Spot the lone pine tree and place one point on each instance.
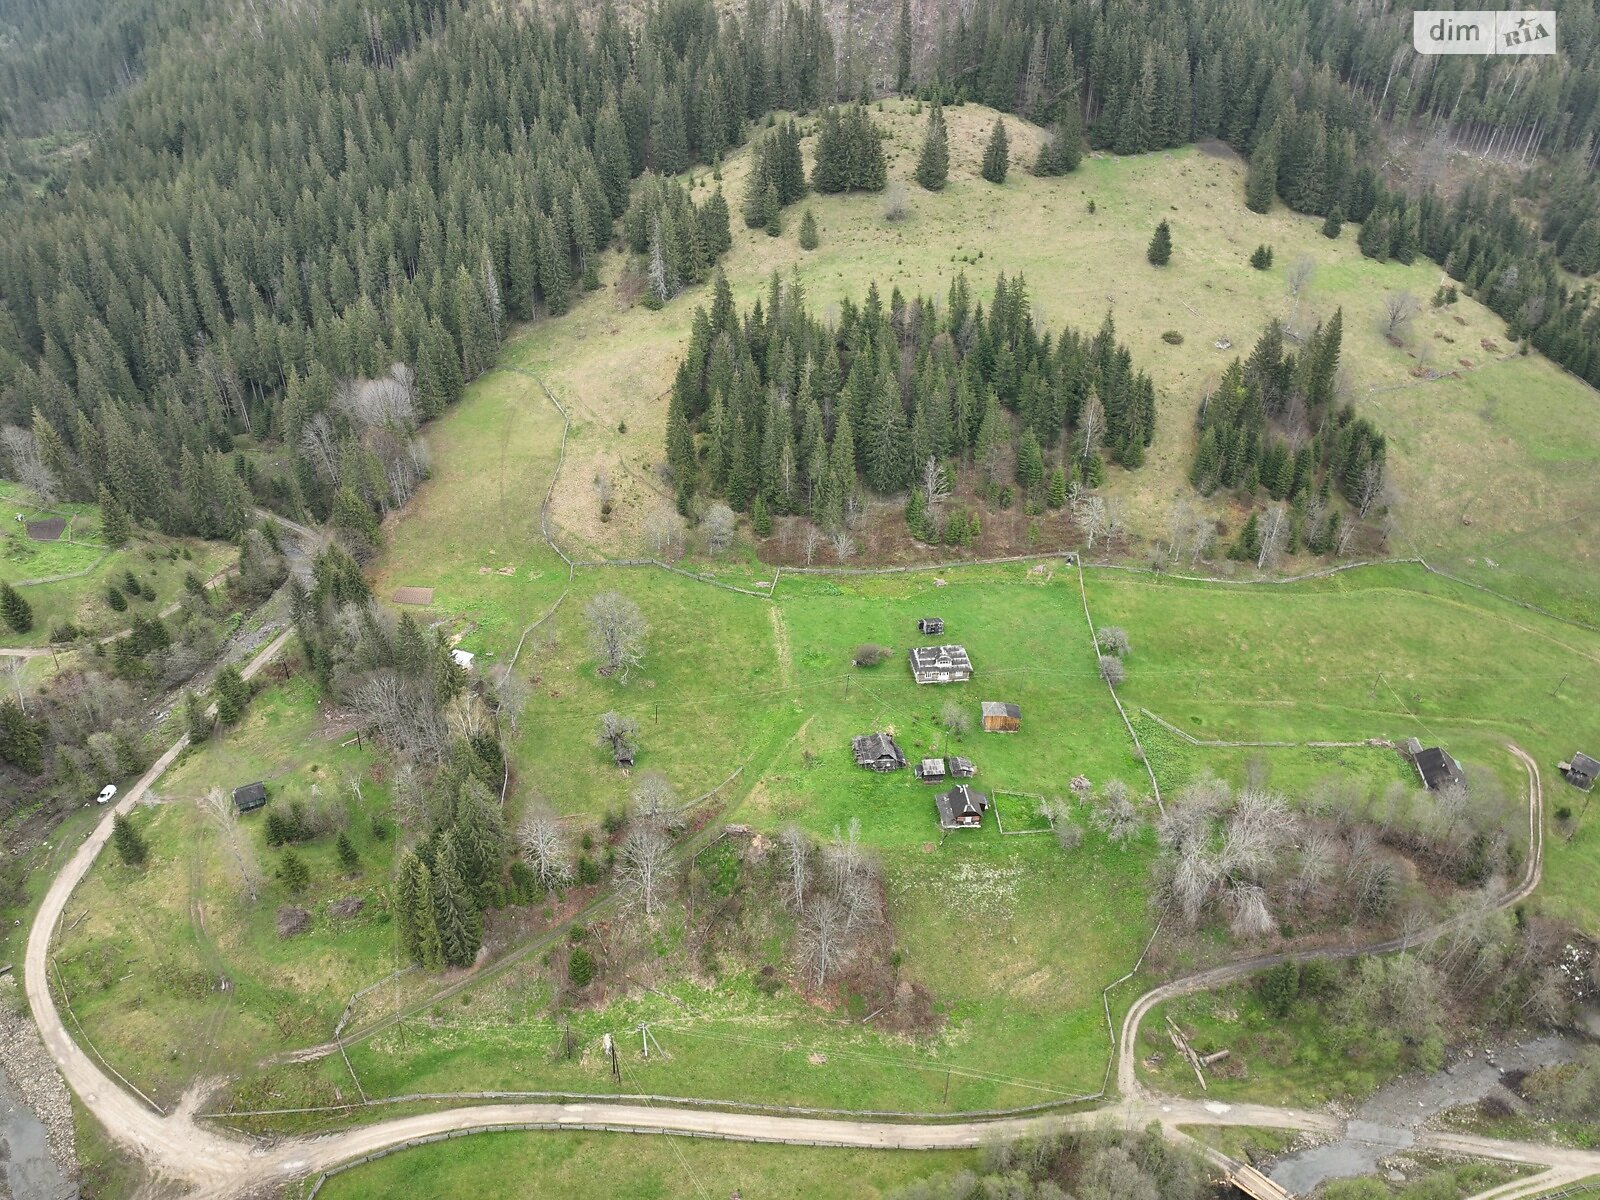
(1261, 260)
(1160, 251)
(933, 164)
(16, 610)
(131, 846)
(808, 231)
(997, 154)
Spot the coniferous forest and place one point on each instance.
(776, 410)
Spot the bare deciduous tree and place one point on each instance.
(643, 867)
(663, 532)
(619, 734)
(617, 631)
(935, 483)
(1113, 639)
(225, 816)
(822, 938)
(1251, 918)
(654, 802)
(957, 721)
(1297, 277)
(844, 546)
(1091, 425)
(1274, 533)
(27, 463)
(1398, 309)
(1117, 816)
(796, 850)
(719, 524)
(1112, 670)
(544, 843)
(810, 543)
(1089, 514)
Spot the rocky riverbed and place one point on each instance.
(1386, 1122)
(38, 1157)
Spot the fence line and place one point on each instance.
(67, 1000)
(1094, 640)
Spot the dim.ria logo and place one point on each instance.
(1484, 31)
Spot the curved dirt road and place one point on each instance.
(211, 1164)
(1128, 1083)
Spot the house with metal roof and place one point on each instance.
(877, 752)
(1581, 772)
(961, 807)
(940, 664)
(1438, 768)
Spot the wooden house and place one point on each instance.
(940, 664)
(962, 768)
(1581, 772)
(1001, 718)
(933, 626)
(250, 797)
(1437, 768)
(961, 807)
(877, 752)
(931, 770)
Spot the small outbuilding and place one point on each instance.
(623, 751)
(933, 626)
(961, 807)
(1438, 768)
(940, 664)
(250, 797)
(1001, 718)
(1581, 772)
(931, 770)
(962, 768)
(877, 752)
(462, 658)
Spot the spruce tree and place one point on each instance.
(1064, 151)
(414, 908)
(1030, 460)
(997, 154)
(1160, 251)
(131, 846)
(760, 518)
(1261, 260)
(196, 716)
(293, 873)
(933, 163)
(771, 212)
(1056, 497)
(21, 741)
(1333, 225)
(459, 922)
(1261, 182)
(808, 231)
(902, 50)
(115, 598)
(114, 528)
(18, 613)
(348, 858)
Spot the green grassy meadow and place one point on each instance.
(616, 1166)
(160, 561)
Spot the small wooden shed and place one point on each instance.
(931, 770)
(931, 625)
(962, 768)
(250, 797)
(1581, 772)
(1001, 718)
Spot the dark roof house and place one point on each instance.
(931, 770)
(961, 807)
(963, 768)
(940, 664)
(1581, 772)
(877, 752)
(250, 797)
(1437, 768)
(933, 625)
(1001, 718)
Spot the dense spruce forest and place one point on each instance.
(778, 413)
(260, 232)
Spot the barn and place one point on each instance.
(1581, 772)
(1438, 768)
(1001, 718)
(250, 797)
(940, 664)
(961, 807)
(877, 752)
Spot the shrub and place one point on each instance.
(1172, 337)
(870, 654)
(895, 205)
(1278, 986)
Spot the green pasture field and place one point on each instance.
(140, 952)
(154, 558)
(1491, 459)
(616, 1166)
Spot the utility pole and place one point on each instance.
(1557, 688)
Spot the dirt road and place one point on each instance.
(212, 1164)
